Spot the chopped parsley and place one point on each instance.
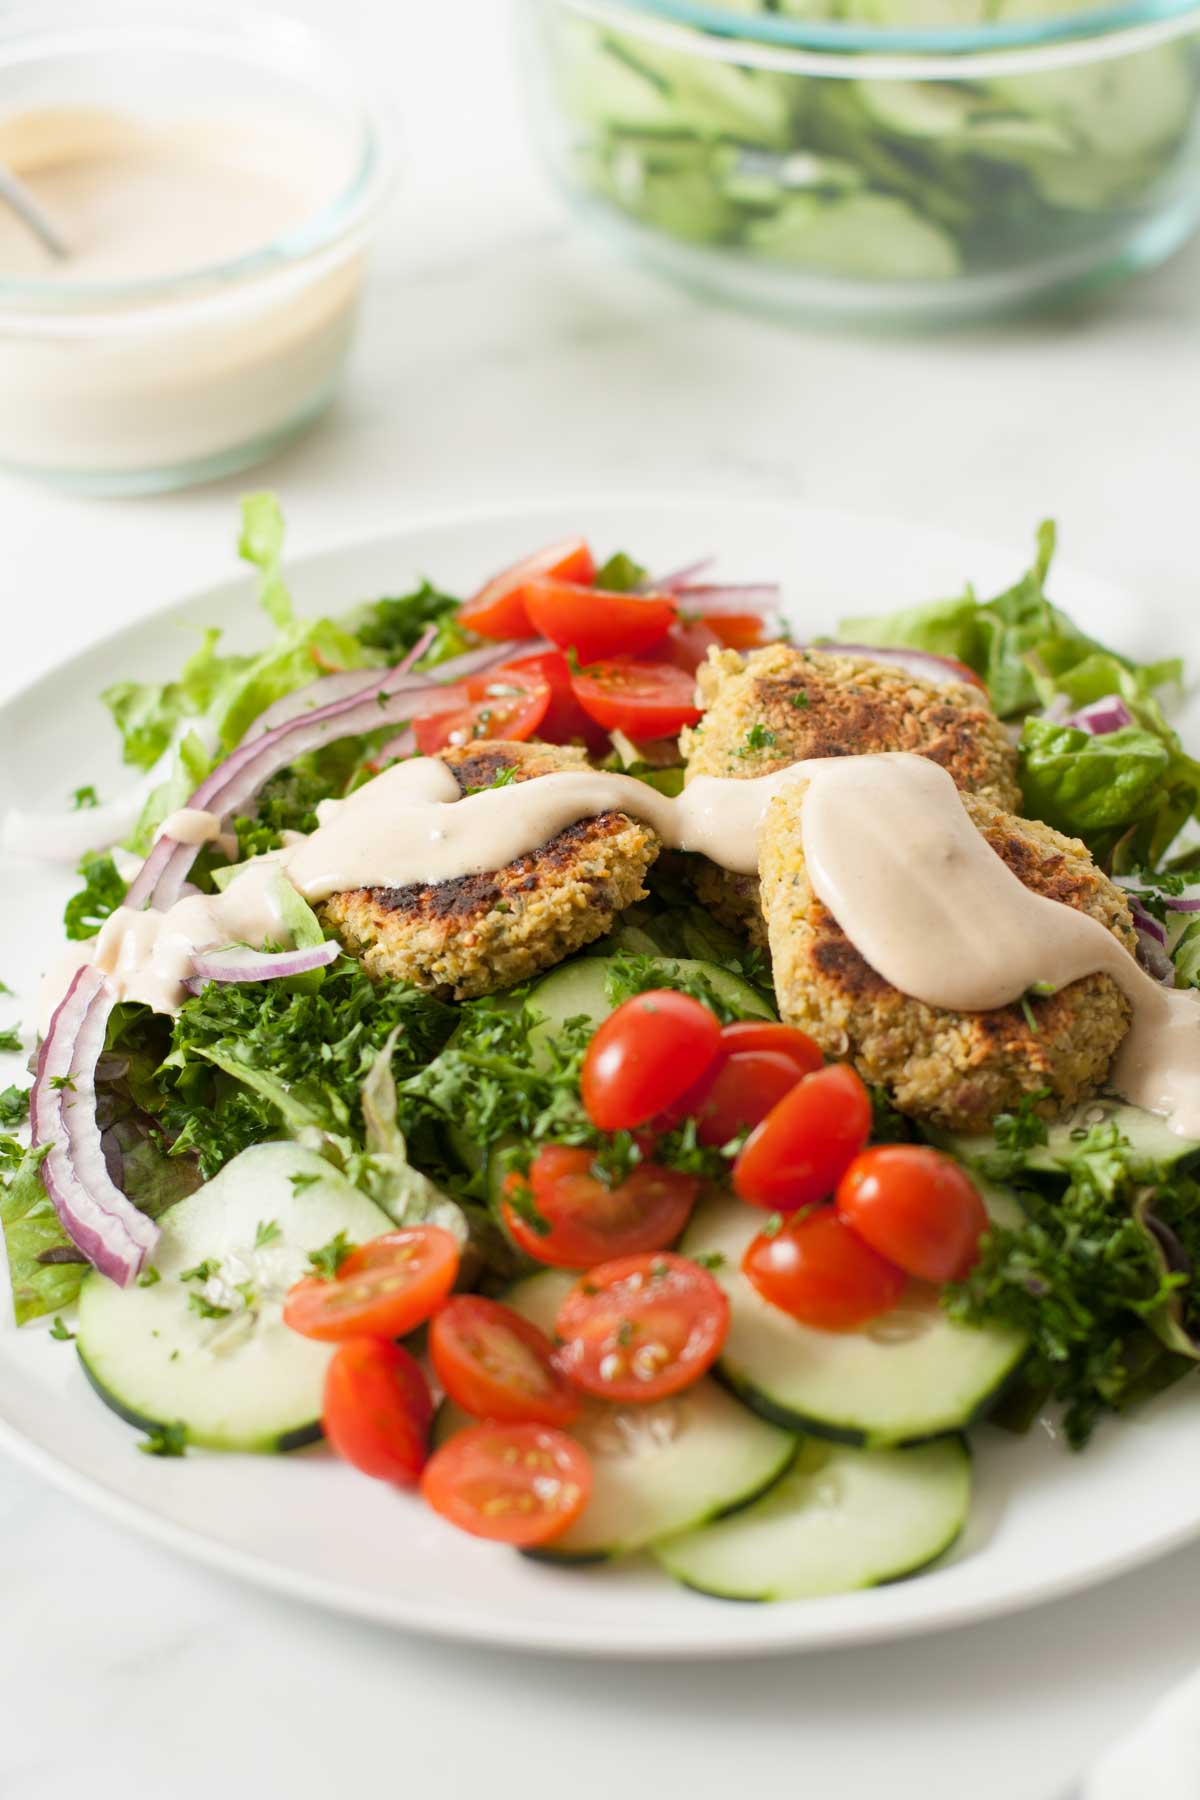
(149, 1276)
(59, 1332)
(1081, 1276)
(300, 1184)
(800, 699)
(84, 798)
(267, 1232)
(329, 1258)
(200, 1303)
(502, 778)
(10, 1039)
(759, 737)
(63, 1084)
(203, 1271)
(242, 1054)
(102, 892)
(710, 1259)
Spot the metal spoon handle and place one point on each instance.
(18, 196)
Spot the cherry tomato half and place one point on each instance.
(642, 1327)
(497, 1365)
(748, 1084)
(757, 1064)
(642, 699)
(916, 1207)
(564, 720)
(590, 1222)
(596, 623)
(738, 631)
(644, 1055)
(509, 702)
(784, 1040)
(378, 1409)
(799, 1153)
(498, 609)
(515, 1484)
(385, 1288)
(822, 1273)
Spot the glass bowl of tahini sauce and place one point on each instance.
(217, 179)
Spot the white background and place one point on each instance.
(503, 357)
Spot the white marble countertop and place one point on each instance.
(503, 357)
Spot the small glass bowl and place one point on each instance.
(917, 161)
(137, 386)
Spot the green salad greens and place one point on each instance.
(870, 180)
(434, 1110)
(1083, 1277)
(1127, 792)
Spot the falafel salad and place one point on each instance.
(634, 1080)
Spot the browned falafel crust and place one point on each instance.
(954, 1070)
(480, 933)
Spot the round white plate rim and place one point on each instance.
(778, 1628)
(487, 1631)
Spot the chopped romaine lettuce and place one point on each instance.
(1126, 793)
(35, 1241)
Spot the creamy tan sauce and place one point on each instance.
(136, 202)
(147, 956)
(101, 376)
(889, 848)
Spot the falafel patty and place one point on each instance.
(479, 933)
(957, 1070)
(778, 706)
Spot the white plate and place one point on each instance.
(1044, 1522)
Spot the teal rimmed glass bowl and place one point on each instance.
(875, 160)
(139, 380)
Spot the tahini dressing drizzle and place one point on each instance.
(889, 849)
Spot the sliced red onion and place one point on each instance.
(921, 663)
(1146, 922)
(239, 963)
(326, 688)
(1155, 960)
(1182, 903)
(233, 784)
(94, 1213)
(1102, 716)
(760, 597)
(669, 584)
(1151, 944)
(397, 748)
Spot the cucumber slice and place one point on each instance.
(713, 99)
(241, 1380)
(658, 1469)
(910, 1375)
(579, 989)
(1124, 106)
(1149, 1136)
(960, 118)
(840, 1519)
(873, 236)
